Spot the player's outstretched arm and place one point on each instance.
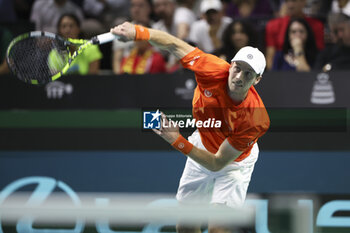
(128, 31)
(213, 162)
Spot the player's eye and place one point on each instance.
(237, 69)
(248, 74)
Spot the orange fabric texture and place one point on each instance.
(181, 144)
(142, 33)
(242, 124)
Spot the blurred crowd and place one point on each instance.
(295, 35)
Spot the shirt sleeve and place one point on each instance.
(205, 66)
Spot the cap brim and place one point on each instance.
(247, 63)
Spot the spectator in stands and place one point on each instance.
(46, 13)
(107, 12)
(207, 32)
(237, 35)
(249, 8)
(143, 59)
(336, 56)
(164, 10)
(299, 49)
(184, 18)
(333, 20)
(325, 7)
(140, 11)
(276, 29)
(5, 39)
(175, 21)
(88, 62)
(341, 6)
(172, 19)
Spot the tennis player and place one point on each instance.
(220, 161)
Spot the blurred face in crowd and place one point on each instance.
(69, 28)
(343, 33)
(333, 31)
(342, 3)
(164, 8)
(297, 30)
(140, 11)
(213, 16)
(239, 38)
(295, 7)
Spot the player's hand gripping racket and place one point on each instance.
(41, 57)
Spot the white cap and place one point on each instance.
(253, 57)
(210, 4)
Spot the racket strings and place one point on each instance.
(37, 58)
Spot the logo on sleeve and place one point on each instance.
(193, 60)
(181, 145)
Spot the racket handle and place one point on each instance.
(104, 38)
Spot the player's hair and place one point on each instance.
(310, 48)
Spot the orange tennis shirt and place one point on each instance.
(241, 124)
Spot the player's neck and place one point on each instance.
(237, 98)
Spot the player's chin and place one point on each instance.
(234, 87)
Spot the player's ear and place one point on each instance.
(257, 80)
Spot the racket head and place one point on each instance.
(38, 57)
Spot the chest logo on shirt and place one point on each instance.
(207, 93)
(193, 60)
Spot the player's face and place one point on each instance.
(241, 77)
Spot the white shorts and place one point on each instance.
(228, 186)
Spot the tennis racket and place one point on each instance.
(41, 57)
